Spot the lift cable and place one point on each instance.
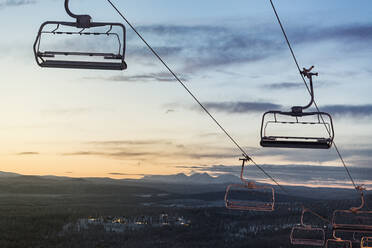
(317, 215)
(196, 99)
(308, 89)
(206, 110)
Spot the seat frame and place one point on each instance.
(83, 22)
(293, 141)
(303, 227)
(354, 211)
(246, 184)
(45, 59)
(366, 242)
(297, 112)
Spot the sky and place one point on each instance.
(86, 123)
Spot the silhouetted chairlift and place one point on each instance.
(338, 243)
(354, 219)
(306, 234)
(286, 141)
(83, 24)
(366, 242)
(247, 196)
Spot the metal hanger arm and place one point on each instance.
(82, 21)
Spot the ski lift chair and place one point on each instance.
(92, 60)
(338, 243)
(306, 234)
(249, 196)
(286, 141)
(366, 242)
(354, 219)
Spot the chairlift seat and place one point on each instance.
(52, 54)
(253, 201)
(338, 243)
(307, 235)
(286, 142)
(83, 65)
(296, 141)
(349, 221)
(107, 61)
(249, 204)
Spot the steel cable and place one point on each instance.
(195, 98)
(308, 89)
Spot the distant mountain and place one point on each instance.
(180, 183)
(8, 174)
(196, 178)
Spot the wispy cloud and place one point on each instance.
(241, 107)
(123, 153)
(27, 153)
(168, 111)
(10, 3)
(202, 46)
(295, 174)
(83, 153)
(349, 110)
(124, 174)
(129, 142)
(158, 151)
(283, 86)
(160, 77)
(152, 154)
(351, 155)
(355, 32)
(151, 150)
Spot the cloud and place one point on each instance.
(124, 174)
(170, 111)
(83, 153)
(260, 107)
(205, 135)
(283, 86)
(353, 156)
(27, 153)
(349, 110)
(151, 150)
(129, 142)
(129, 153)
(354, 32)
(241, 107)
(297, 174)
(12, 3)
(198, 48)
(203, 46)
(160, 77)
(123, 153)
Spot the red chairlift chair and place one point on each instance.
(338, 243)
(366, 242)
(354, 219)
(306, 234)
(249, 195)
